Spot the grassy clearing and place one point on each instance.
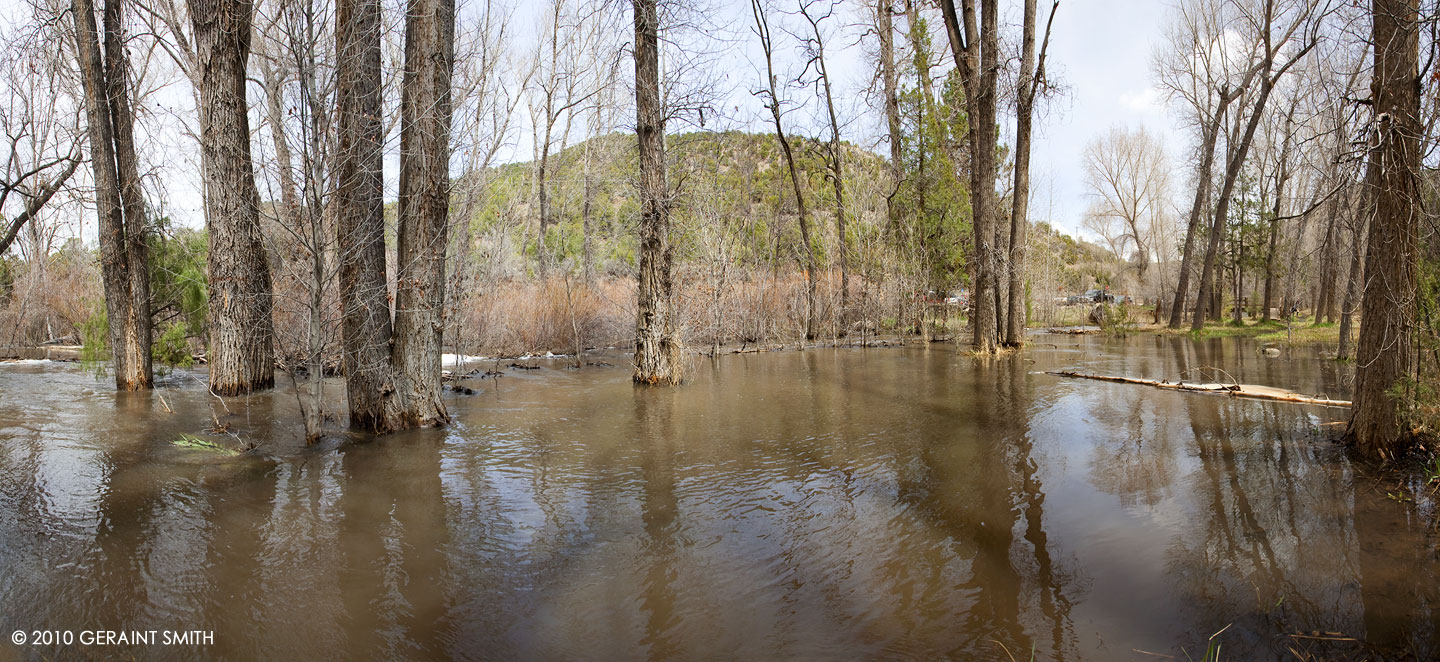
(1301, 331)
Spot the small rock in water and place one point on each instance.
(1271, 351)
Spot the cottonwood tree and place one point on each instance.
(393, 373)
(40, 149)
(1285, 34)
(975, 49)
(1128, 175)
(833, 152)
(1383, 355)
(884, 13)
(119, 200)
(770, 97)
(563, 80)
(657, 348)
(241, 349)
(1203, 71)
(1032, 81)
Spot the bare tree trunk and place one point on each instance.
(812, 266)
(1352, 283)
(1388, 310)
(1031, 77)
(657, 350)
(885, 25)
(1325, 302)
(976, 55)
(241, 353)
(359, 220)
(1235, 161)
(424, 210)
(120, 208)
(837, 173)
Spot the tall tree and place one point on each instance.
(119, 203)
(1271, 46)
(770, 96)
(358, 208)
(890, 88)
(241, 353)
(392, 373)
(834, 157)
(976, 54)
(1387, 315)
(657, 349)
(1032, 79)
(1200, 71)
(424, 209)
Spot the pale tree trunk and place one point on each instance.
(123, 263)
(812, 266)
(424, 210)
(657, 350)
(1032, 76)
(357, 201)
(1388, 310)
(975, 55)
(1345, 349)
(837, 173)
(241, 354)
(885, 26)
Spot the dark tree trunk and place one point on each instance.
(424, 210)
(1031, 76)
(123, 260)
(885, 25)
(657, 350)
(241, 354)
(975, 54)
(1388, 310)
(1329, 250)
(837, 178)
(359, 220)
(1235, 161)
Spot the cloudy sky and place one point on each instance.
(1101, 53)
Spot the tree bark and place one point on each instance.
(359, 220)
(123, 263)
(241, 353)
(885, 26)
(1388, 311)
(1031, 76)
(657, 350)
(424, 210)
(976, 55)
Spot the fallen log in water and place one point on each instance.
(1236, 390)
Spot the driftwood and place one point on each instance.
(1073, 330)
(1234, 390)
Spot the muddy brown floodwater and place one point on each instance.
(828, 504)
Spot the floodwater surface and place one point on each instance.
(829, 504)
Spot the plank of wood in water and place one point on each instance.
(1235, 390)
